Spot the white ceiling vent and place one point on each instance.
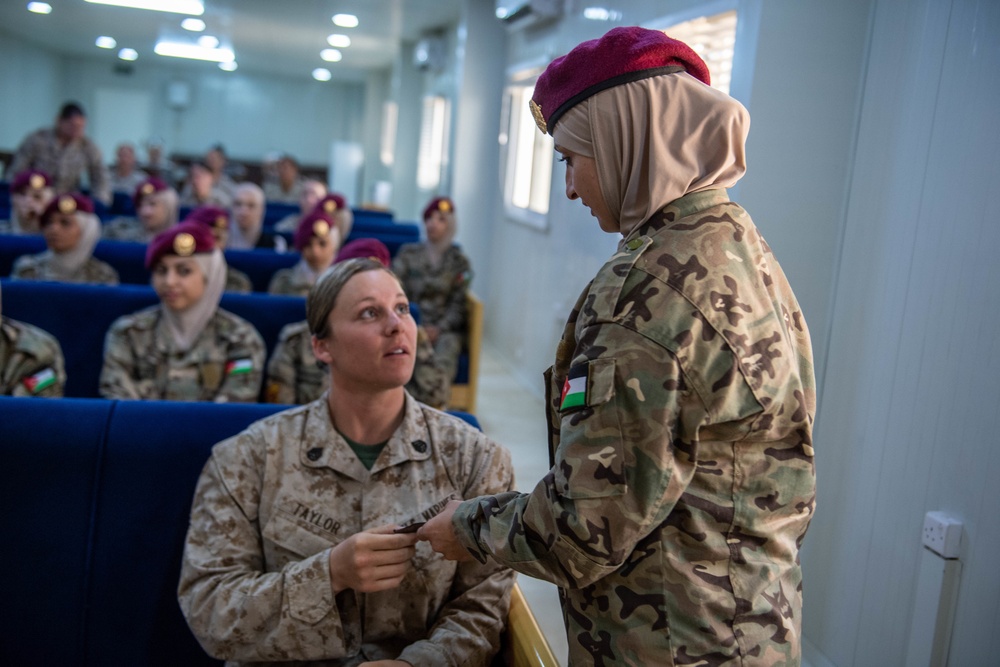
(519, 14)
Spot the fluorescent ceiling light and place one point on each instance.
(228, 67)
(40, 7)
(331, 55)
(128, 54)
(208, 41)
(601, 14)
(340, 41)
(106, 42)
(345, 20)
(193, 7)
(194, 25)
(193, 51)
(322, 74)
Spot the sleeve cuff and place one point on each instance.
(308, 589)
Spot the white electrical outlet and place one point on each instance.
(942, 534)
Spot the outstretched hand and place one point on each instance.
(441, 535)
(374, 560)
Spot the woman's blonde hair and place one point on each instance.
(323, 295)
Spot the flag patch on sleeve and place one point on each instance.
(40, 380)
(574, 392)
(239, 366)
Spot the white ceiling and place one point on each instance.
(269, 36)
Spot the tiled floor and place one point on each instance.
(513, 415)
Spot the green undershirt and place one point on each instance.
(367, 454)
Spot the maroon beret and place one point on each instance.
(317, 223)
(71, 202)
(622, 55)
(371, 248)
(331, 203)
(182, 240)
(148, 187)
(443, 204)
(32, 178)
(212, 217)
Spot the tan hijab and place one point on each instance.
(65, 265)
(185, 326)
(656, 140)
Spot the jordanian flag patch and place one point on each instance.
(239, 366)
(574, 393)
(40, 380)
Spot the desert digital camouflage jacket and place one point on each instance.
(225, 362)
(31, 361)
(293, 375)
(681, 407)
(39, 267)
(273, 501)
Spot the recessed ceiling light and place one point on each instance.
(228, 67)
(331, 55)
(192, 7)
(128, 54)
(322, 74)
(40, 7)
(208, 41)
(194, 25)
(340, 41)
(345, 20)
(106, 42)
(193, 51)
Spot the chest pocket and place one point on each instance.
(290, 540)
(589, 459)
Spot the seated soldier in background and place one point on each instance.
(156, 211)
(215, 160)
(312, 191)
(287, 187)
(246, 228)
(318, 239)
(201, 190)
(335, 205)
(31, 361)
(294, 375)
(216, 220)
(185, 348)
(293, 551)
(125, 174)
(30, 192)
(71, 231)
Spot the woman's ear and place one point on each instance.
(321, 349)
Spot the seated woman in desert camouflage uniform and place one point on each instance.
(156, 210)
(71, 231)
(185, 348)
(299, 546)
(294, 375)
(31, 361)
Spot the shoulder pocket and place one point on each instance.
(589, 461)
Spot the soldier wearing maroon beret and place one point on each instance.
(71, 231)
(682, 397)
(318, 238)
(30, 192)
(436, 275)
(216, 220)
(156, 209)
(185, 348)
(335, 206)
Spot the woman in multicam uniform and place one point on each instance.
(300, 546)
(71, 231)
(682, 398)
(156, 210)
(30, 193)
(216, 221)
(186, 348)
(294, 375)
(31, 360)
(318, 239)
(436, 275)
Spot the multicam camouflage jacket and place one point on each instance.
(293, 281)
(237, 281)
(438, 291)
(225, 362)
(31, 361)
(294, 375)
(681, 407)
(38, 267)
(125, 229)
(273, 501)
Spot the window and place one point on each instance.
(528, 170)
(433, 142)
(713, 38)
(390, 115)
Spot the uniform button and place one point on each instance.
(314, 454)
(420, 446)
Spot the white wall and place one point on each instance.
(29, 90)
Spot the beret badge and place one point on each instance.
(67, 204)
(184, 244)
(444, 206)
(536, 112)
(321, 228)
(148, 189)
(220, 222)
(37, 181)
(330, 206)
